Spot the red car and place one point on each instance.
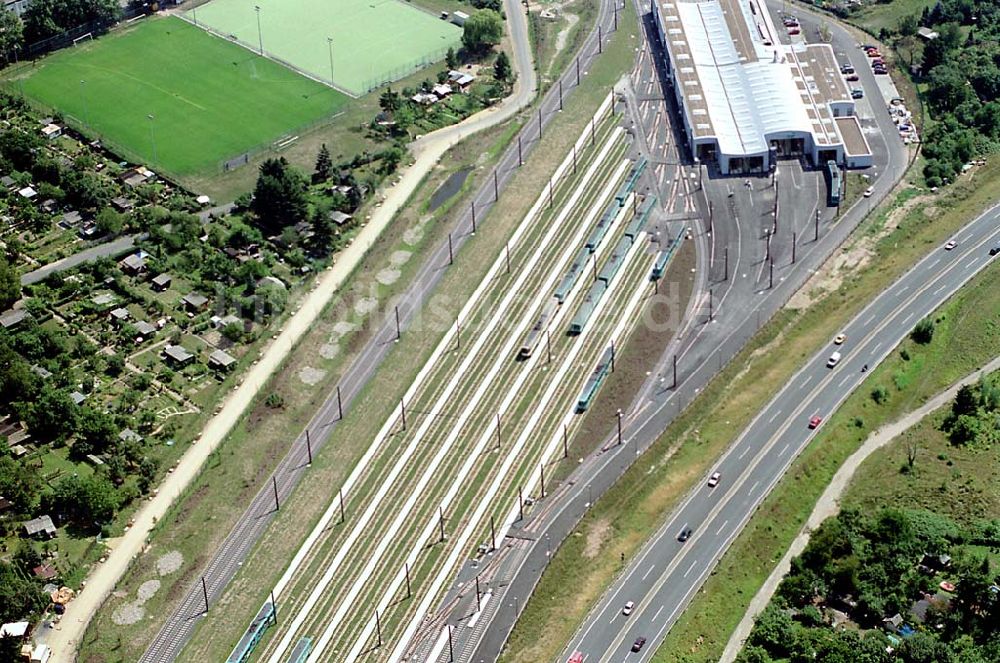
(814, 421)
(852, 77)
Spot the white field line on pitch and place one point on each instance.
(443, 346)
(473, 523)
(387, 484)
(501, 361)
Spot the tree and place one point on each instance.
(451, 58)
(87, 502)
(501, 68)
(20, 598)
(322, 228)
(52, 416)
(45, 18)
(110, 222)
(96, 432)
(324, 165)
(482, 31)
(19, 484)
(279, 199)
(11, 33)
(923, 332)
(10, 284)
(774, 631)
(390, 101)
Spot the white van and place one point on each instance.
(833, 360)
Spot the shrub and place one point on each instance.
(923, 333)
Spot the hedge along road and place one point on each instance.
(427, 151)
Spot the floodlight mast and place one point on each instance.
(260, 37)
(329, 43)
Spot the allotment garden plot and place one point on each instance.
(370, 42)
(169, 94)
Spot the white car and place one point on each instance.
(869, 191)
(713, 480)
(627, 610)
(950, 245)
(833, 360)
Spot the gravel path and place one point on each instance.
(829, 502)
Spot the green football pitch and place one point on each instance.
(172, 95)
(371, 41)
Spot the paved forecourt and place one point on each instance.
(373, 41)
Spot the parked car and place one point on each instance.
(857, 93)
(869, 191)
(851, 77)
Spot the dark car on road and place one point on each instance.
(639, 642)
(995, 250)
(684, 535)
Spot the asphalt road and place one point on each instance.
(667, 572)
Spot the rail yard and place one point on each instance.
(466, 451)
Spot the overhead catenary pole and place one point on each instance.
(600, 39)
(493, 533)
(710, 298)
(441, 521)
(309, 447)
(451, 648)
(507, 247)
(793, 247)
(619, 413)
(725, 255)
(539, 123)
(496, 186)
(274, 485)
(578, 70)
(560, 95)
(473, 208)
(520, 155)
(204, 593)
(451, 254)
(816, 237)
(612, 355)
(498, 431)
(340, 405)
(675, 371)
(274, 609)
(406, 570)
(565, 442)
(378, 629)
(770, 278)
(152, 136)
(402, 412)
(343, 516)
(478, 606)
(520, 503)
(541, 475)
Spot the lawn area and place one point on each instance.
(372, 42)
(961, 482)
(877, 15)
(170, 94)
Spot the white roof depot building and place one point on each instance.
(745, 98)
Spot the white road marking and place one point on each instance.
(721, 527)
(807, 380)
(939, 289)
(910, 316)
(657, 614)
(877, 346)
(972, 263)
(784, 449)
(774, 416)
(844, 381)
(870, 320)
(648, 572)
(754, 486)
(745, 452)
(690, 568)
(935, 263)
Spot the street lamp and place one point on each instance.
(260, 38)
(152, 137)
(329, 43)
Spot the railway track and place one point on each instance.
(317, 553)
